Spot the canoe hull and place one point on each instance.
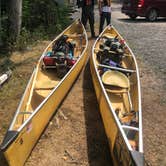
(120, 153)
(19, 150)
(114, 136)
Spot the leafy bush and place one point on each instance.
(23, 40)
(41, 19)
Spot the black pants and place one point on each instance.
(104, 16)
(88, 14)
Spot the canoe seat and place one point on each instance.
(116, 79)
(46, 84)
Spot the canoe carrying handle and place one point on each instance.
(117, 68)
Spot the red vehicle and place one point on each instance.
(151, 9)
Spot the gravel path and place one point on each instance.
(147, 41)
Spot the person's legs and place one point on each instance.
(102, 19)
(108, 18)
(84, 17)
(91, 21)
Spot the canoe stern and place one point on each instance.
(121, 150)
(9, 138)
(138, 158)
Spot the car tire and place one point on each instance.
(133, 16)
(152, 15)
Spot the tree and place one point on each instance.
(15, 19)
(0, 25)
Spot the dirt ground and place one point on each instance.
(75, 135)
(147, 41)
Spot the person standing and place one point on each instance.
(105, 13)
(87, 14)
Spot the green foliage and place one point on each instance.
(41, 19)
(23, 39)
(5, 64)
(46, 13)
(3, 27)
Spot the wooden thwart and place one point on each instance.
(75, 35)
(130, 127)
(112, 52)
(42, 88)
(26, 112)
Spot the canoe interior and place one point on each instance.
(45, 80)
(124, 101)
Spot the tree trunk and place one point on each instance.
(15, 18)
(0, 26)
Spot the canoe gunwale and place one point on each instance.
(19, 106)
(45, 100)
(56, 87)
(107, 98)
(139, 100)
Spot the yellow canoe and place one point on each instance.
(117, 85)
(44, 92)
